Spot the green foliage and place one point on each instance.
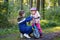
(4, 15)
(10, 30)
(8, 12)
(53, 14)
(27, 10)
(46, 24)
(57, 38)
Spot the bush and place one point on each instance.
(53, 14)
(4, 23)
(10, 30)
(46, 24)
(52, 24)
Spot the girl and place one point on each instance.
(24, 29)
(36, 19)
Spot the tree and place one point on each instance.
(31, 3)
(4, 15)
(38, 5)
(21, 4)
(43, 6)
(59, 2)
(54, 2)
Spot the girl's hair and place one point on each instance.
(21, 12)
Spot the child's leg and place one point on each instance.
(21, 35)
(40, 29)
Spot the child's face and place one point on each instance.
(23, 15)
(33, 12)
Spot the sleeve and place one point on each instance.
(29, 18)
(22, 21)
(26, 19)
(38, 14)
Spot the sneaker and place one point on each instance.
(41, 36)
(27, 36)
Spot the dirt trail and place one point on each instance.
(49, 36)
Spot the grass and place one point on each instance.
(51, 29)
(9, 31)
(16, 37)
(57, 38)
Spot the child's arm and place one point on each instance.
(26, 19)
(38, 15)
(29, 18)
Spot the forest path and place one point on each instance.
(48, 36)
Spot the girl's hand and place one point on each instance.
(33, 18)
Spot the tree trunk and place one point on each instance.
(38, 5)
(5, 0)
(58, 2)
(54, 3)
(21, 4)
(31, 3)
(43, 6)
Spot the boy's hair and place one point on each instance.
(21, 12)
(20, 15)
(18, 19)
